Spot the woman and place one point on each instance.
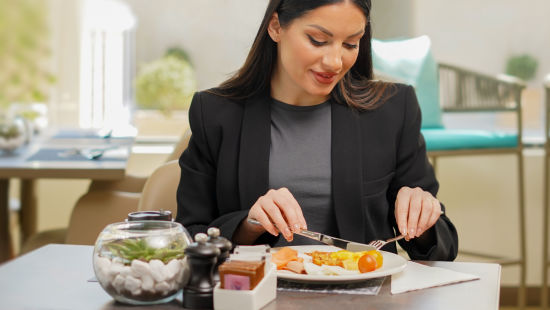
(302, 137)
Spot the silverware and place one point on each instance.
(93, 154)
(378, 244)
(105, 134)
(89, 153)
(337, 242)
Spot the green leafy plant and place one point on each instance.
(167, 83)
(24, 52)
(179, 53)
(522, 66)
(9, 131)
(130, 249)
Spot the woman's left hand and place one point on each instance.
(415, 211)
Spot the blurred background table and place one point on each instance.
(53, 155)
(57, 277)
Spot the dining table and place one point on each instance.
(66, 153)
(61, 277)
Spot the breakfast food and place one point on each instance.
(364, 261)
(327, 263)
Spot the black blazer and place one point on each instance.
(374, 153)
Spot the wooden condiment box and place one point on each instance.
(241, 275)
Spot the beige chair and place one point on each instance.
(160, 189)
(97, 209)
(111, 201)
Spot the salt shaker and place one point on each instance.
(221, 243)
(201, 257)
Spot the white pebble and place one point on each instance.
(172, 269)
(174, 285)
(132, 284)
(115, 269)
(140, 269)
(136, 291)
(148, 284)
(118, 283)
(157, 270)
(102, 262)
(103, 265)
(162, 287)
(126, 271)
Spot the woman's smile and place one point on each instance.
(324, 77)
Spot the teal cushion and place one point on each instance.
(456, 139)
(411, 61)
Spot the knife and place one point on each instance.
(328, 240)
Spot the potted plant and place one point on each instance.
(522, 66)
(13, 134)
(166, 84)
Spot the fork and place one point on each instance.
(378, 244)
(88, 153)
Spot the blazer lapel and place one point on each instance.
(254, 150)
(346, 173)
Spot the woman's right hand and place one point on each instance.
(278, 211)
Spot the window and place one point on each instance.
(107, 64)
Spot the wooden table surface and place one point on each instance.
(56, 277)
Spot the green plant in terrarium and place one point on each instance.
(522, 66)
(24, 52)
(10, 131)
(130, 249)
(166, 84)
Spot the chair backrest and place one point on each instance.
(159, 191)
(95, 210)
(411, 61)
(180, 146)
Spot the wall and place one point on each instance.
(392, 19)
(216, 33)
(481, 35)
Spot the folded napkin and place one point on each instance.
(417, 276)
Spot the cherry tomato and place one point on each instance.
(366, 263)
(378, 257)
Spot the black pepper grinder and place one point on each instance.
(221, 243)
(201, 257)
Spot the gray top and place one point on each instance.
(300, 160)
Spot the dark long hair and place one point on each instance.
(357, 88)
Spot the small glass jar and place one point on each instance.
(142, 262)
(12, 134)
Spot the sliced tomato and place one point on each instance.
(378, 257)
(366, 263)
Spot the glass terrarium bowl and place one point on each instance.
(12, 134)
(142, 262)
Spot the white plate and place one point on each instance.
(392, 264)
